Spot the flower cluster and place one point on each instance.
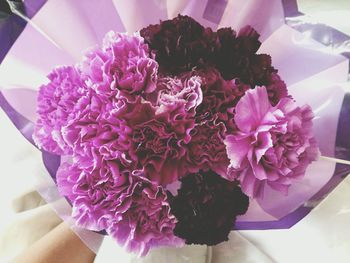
(182, 44)
(95, 113)
(174, 103)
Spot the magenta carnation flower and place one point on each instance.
(272, 145)
(94, 189)
(56, 102)
(122, 67)
(117, 75)
(143, 219)
(94, 126)
(111, 197)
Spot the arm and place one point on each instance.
(58, 246)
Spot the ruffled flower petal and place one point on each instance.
(251, 109)
(272, 144)
(56, 104)
(237, 150)
(132, 209)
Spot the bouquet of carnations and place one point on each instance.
(175, 102)
(167, 135)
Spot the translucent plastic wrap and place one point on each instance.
(310, 57)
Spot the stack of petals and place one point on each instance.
(173, 104)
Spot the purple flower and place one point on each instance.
(219, 98)
(56, 103)
(206, 208)
(143, 219)
(111, 197)
(117, 75)
(179, 92)
(272, 145)
(122, 67)
(206, 150)
(276, 88)
(180, 44)
(235, 56)
(93, 189)
(158, 141)
(96, 125)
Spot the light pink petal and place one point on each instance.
(250, 185)
(264, 142)
(272, 117)
(251, 109)
(236, 149)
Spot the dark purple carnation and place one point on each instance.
(276, 88)
(180, 44)
(235, 56)
(206, 207)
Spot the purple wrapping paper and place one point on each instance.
(11, 25)
(313, 73)
(10, 28)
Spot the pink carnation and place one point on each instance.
(272, 144)
(56, 102)
(111, 197)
